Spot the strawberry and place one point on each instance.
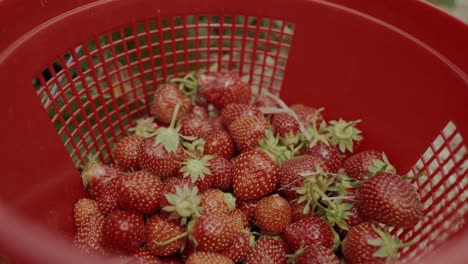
(201, 257)
(389, 199)
(311, 230)
(141, 256)
(291, 169)
(248, 208)
(198, 170)
(217, 123)
(144, 127)
(232, 112)
(223, 88)
(126, 152)
(223, 172)
(354, 217)
(214, 232)
(246, 132)
(219, 143)
(84, 208)
(287, 128)
(183, 204)
(240, 217)
(199, 111)
(123, 231)
(255, 175)
(164, 103)
(267, 250)
(159, 232)
(306, 114)
(96, 175)
(330, 155)
(344, 134)
(139, 192)
(316, 254)
(273, 214)
(265, 101)
(214, 200)
(239, 248)
(297, 212)
(89, 236)
(369, 243)
(195, 126)
(170, 186)
(107, 201)
(158, 161)
(359, 165)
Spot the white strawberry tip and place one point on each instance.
(145, 127)
(388, 245)
(196, 168)
(343, 134)
(169, 136)
(184, 204)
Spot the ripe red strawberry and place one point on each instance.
(123, 231)
(194, 126)
(287, 128)
(239, 217)
(217, 123)
(239, 248)
(290, 177)
(317, 254)
(223, 172)
(330, 155)
(263, 100)
(219, 143)
(169, 188)
(214, 232)
(164, 102)
(89, 235)
(232, 112)
(160, 231)
(200, 111)
(126, 152)
(306, 114)
(96, 175)
(246, 132)
(107, 201)
(357, 165)
(158, 161)
(297, 212)
(223, 88)
(369, 243)
(267, 250)
(201, 257)
(255, 175)
(248, 208)
(83, 209)
(215, 201)
(139, 192)
(389, 199)
(141, 256)
(355, 217)
(273, 214)
(311, 230)
(198, 171)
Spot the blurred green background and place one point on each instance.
(458, 8)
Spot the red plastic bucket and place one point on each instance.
(75, 75)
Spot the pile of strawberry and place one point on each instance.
(219, 175)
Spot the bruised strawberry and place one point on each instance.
(163, 236)
(126, 152)
(232, 112)
(82, 209)
(164, 103)
(219, 143)
(223, 88)
(96, 175)
(290, 177)
(123, 231)
(158, 161)
(139, 192)
(311, 230)
(267, 250)
(201, 257)
(222, 171)
(239, 248)
(256, 174)
(247, 132)
(273, 214)
(389, 199)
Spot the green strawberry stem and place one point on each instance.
(174, 115)
(388, 245)
(169, 241)
(272, 110)
(145, 127)
(169, 136)
(292, 258)
(408, 177)
(188, 84)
